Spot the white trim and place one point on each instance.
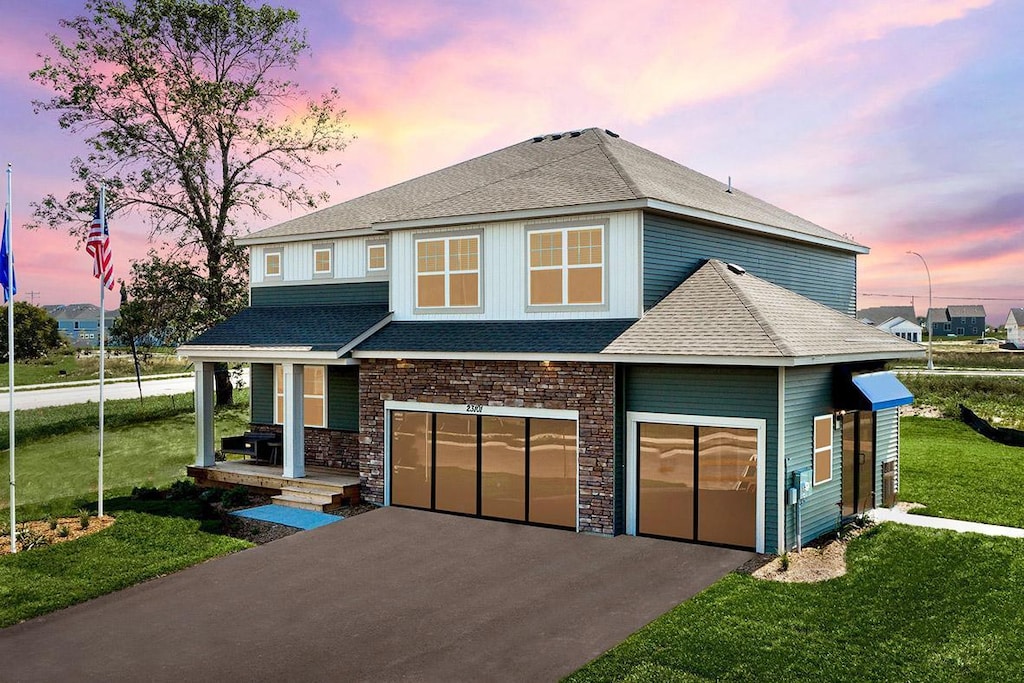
(564, 267)
(633, 418)
(758, 361)
(510, 216)
(256, 240)
(262, 354)
(370, 331)
(329, 249)
(267, 253)
(815, 450)
(447, 272)
(781, 466)
(475, 409)
(376, 277)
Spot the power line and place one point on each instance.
(942, 296)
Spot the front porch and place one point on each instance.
(321, 489)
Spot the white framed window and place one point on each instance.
(376, 257)
(566, 266)
(314, 395)
(272, 264)
(822, 449)
(323, 257)
(448, 272)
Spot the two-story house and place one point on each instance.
(959, 321)
(572, 331)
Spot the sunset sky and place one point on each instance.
(900, 124)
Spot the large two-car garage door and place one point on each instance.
(516, 468)
(696, 482)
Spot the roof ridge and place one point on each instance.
(780, 344)
(619, 168)
(503, 179)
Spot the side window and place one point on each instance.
(822, 449)
(322, 260)
(314, 395)
(448, 272)
(272, 264)
(376, 257)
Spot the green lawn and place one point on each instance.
(137, 547)
(958, 473)
(916, 605)
(47, 370)
(56, 474)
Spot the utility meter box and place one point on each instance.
(802, 481)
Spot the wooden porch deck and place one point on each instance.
(321, 489)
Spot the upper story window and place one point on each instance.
(272, 264)
(314, 395)
(322, 258)
(448, 272)
(566, 266)
(376, 257)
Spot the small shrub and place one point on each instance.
(83, 519)
(28, 538)
(51, 522)
(63, 531)
(210, 495)
(182, 489)
(784, 562)
(146, 493)
(235, 497)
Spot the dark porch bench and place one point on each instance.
(259, 446)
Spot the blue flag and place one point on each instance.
(7, 280)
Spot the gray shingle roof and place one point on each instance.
(323, 328)
(879, 314)
(585, 167)
(966, 311)
(752, 318)
(937, 315)
(547, 336)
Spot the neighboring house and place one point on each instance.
(880, 314)
(960, 321)
(1014, 323)
(572, 332)
(80, 322)
(902, 328)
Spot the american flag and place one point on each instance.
(97, 244)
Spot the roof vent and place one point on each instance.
(739, 270)
(539, 138)
(729, 188)
(556, 136)
(614, 135)
(575, 134)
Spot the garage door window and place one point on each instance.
(520, 469)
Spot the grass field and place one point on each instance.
(119, 364)
(57, 471)
(960, 474)
(916, 605)
(148, 540)
(967, 355)
(989, 397)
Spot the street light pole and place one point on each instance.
(927, 318)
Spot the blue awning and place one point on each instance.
(882, 390)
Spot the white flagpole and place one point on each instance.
(10, 350)
(103, 346)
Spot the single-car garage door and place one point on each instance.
(696, 482)
(513, 468)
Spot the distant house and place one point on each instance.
(1014, 323)
(80, 322)
(880, 314)
(960, 321)
(902, 328)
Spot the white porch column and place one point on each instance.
(294, 432)
(204, 414)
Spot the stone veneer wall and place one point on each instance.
(586, 387)
(325, 447)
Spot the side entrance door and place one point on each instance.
(858, 462)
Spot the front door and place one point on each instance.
(858, 462)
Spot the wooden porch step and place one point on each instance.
(296, 497)
(291, 501)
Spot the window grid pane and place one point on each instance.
(273, 264)
(463, 254)
(430, 256)
(321, 260)
(377, 257)
(584, 246)
(545, 249)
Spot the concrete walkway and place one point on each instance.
(388, 595)
(900, 517)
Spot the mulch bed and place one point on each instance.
(41, 529)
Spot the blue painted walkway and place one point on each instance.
(279, 514)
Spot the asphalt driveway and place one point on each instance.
(393, 594)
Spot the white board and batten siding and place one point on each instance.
(348, 261)
(504, 273)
